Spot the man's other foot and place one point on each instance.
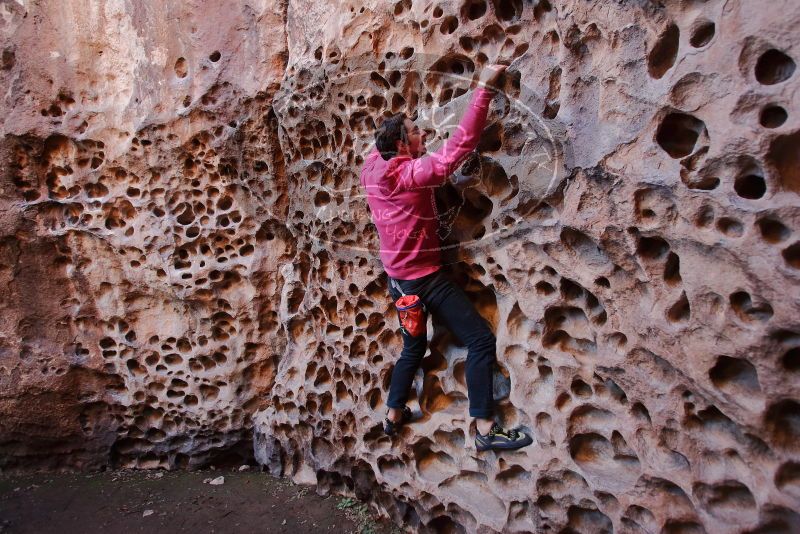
(500, 439)
(391, 427)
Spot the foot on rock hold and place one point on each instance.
(501, 440)
(391, 427)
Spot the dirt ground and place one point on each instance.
(177, 501)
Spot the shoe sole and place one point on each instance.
(509, 447)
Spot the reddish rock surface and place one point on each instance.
(189, 269)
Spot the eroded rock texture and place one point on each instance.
(139, 260)
(188, 260)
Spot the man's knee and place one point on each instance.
(484, 342)
(413, 352)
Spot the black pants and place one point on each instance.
(448, 304)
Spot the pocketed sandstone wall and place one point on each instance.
(631, 241)
(137, 322)
(188, 257)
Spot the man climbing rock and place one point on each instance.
(399, 180)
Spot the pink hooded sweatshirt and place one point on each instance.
(400, 196)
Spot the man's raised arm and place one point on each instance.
(433, 170)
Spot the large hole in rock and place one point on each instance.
(730, 227)
(587, 520)
(703, 182)
(581, 388)
(725, 499)
(543, 288)
(588, 448)
(507, 10)
(791, 359)
(432, 465)
(791, 255)
(787, 478)
(751, 186)
(783, 424)
(734, 375)
(449, 25)
(680, 311)
(704, 217)
(450, 76)
(540, 10)
(322, 198)
(491, 139)
(772, 230)
(181, 68)
(456, 64)
(678, 133)
(552, 104)
(652, 248)
(595, 454)
(774, 67)
(784, 156)
(702, 33)
(445, 524)
(473, 9)
(672, 269)
(496, 181)
(639, 519)
(662, 56)
(772, 116)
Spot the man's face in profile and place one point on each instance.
(416, 139)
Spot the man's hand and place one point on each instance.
(491, 76)
(470, 172)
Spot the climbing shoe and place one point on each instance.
(391, 427)
(500, 439)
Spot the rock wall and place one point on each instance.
(189, 260)
(139, 265)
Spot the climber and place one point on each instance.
(399, 180)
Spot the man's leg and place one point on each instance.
(403, 373)
(405, 369)
(449, 303)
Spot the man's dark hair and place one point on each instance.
(391, 130)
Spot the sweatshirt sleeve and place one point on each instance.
(433, 169)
